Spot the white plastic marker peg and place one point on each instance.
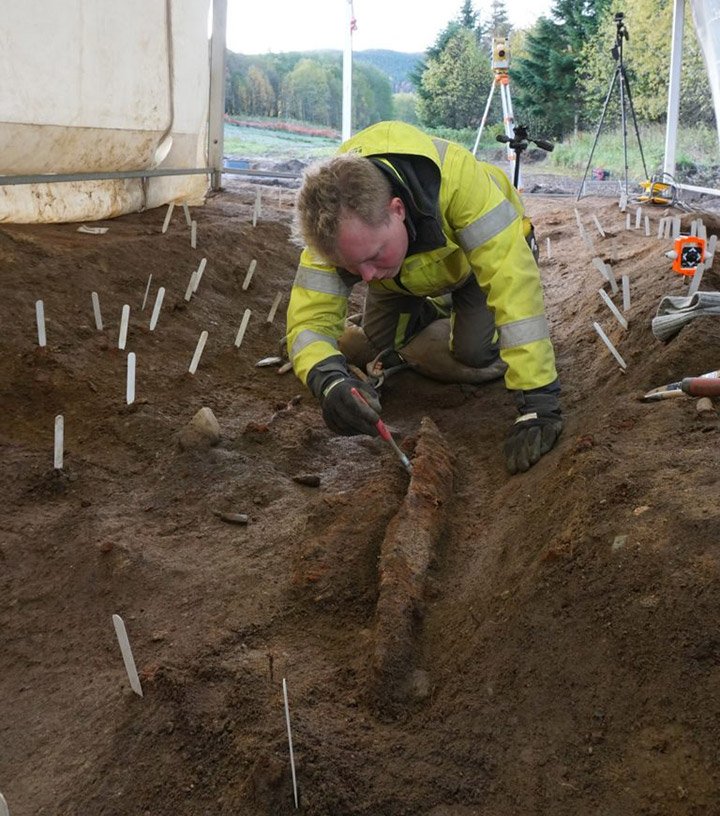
(193, 235)
(638, 217)
(199, 273)
(168, 216)
(40, 317)
(122, 336)
(96, 309)
(290, 744)
(147, 292)
(191, 285)
(186, 210)
(626, 292)
(549, 248)
(606, 272)
(3, 806)
(249, 274)
(198, 352)
(130, 386)
(243, 326)
(598, 225)
(712, 243)
(661, 227)
(156, 308)
(613, 308)
(59, 442)
(696, 279)
(274, 307)
(256, 208)
(627, 221)
(647, 226)
(127, 654)
(615, 353)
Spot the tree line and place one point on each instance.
(560, 72)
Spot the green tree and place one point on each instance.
(646, 57)
(499, 24)
(454, 83)
(547, 76)
(306, 93)
(405, 108)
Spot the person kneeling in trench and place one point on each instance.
(419, 218)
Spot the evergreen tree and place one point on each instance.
(499, 23)
(547, 77)
(454, 83)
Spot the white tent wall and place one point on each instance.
(97, 86)
(706, 14)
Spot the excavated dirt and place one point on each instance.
(566, 652)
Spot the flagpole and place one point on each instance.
(347, 73)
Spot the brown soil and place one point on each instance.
(565, 656)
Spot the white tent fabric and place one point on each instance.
(706, 14)
(101, 86)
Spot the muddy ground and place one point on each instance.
(564, 655)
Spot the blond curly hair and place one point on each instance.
(333, 189)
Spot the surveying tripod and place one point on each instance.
(500, 66)
(620, 77)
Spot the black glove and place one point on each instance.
(536, 429)
(350, 407)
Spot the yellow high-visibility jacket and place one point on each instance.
(469, 221)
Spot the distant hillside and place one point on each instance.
(398, 65)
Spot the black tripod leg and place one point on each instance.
(635, 124)
(599, 128)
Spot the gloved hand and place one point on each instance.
(348, 414)
(536, 429)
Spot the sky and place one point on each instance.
(399, 25)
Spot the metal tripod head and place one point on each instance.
(519, 143)
(621, 33)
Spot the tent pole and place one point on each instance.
(673, 108)
(216, 107)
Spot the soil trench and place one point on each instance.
(556, 637)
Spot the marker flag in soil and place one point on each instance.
(96, 310)
(289, 733)
(168, 216)
(615, 353)
(59, 442)
(696, 279)
(273, 308)
(243, 326)
(712, 242)
(198, 352)
(193, 235)
(188, 219)
(606, 272)
(191, 285)
(248, 276)
(130, 386)
(156, 308)
(124, 320)
(199, 273)
(3, 806)
(40, 317)
(613, 308)
(147, 292)
(127, 654)
(626, 292)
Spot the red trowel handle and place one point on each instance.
(701, 386)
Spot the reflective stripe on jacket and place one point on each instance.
(482, 221)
